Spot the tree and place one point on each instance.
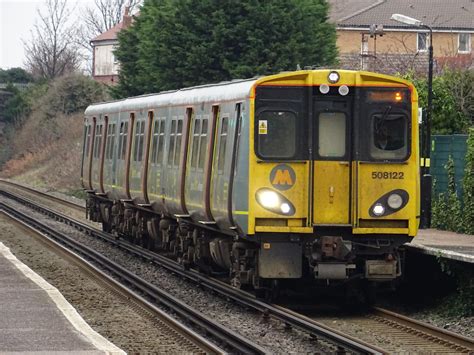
(105, 15)
(15, 75)
(51, 52)
(181, 43)
(453, 100)
(98, 19)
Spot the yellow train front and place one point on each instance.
(308, 175)
(334, 174)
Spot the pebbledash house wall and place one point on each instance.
(396, 51)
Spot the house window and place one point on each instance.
(422, 42)
(464, 43)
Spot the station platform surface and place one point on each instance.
(444, 244)
(37, 319)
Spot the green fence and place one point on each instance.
(441, 148)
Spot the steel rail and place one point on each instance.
(114, 286)
(458, 342)
(231, 339)
(316, 329)
(45, 195)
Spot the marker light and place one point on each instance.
(398, 96)
(333, 77)
(324, 88)
(378, 209)
(395, 201)
(285, 208)
(343, 90)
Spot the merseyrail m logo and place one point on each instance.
(282, 177)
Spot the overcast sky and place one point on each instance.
(17, 18)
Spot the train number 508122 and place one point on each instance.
(387, 175)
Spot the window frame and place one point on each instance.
(407, 120)
(468, 42)
(87, 139)
(139, 140)
(97, 140)
(223, 138)
(123, 141)
(418, 49)
(257, 135)
(346, 154)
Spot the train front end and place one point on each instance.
(334, 174)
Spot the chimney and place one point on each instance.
(127, 19)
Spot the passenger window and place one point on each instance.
(222, 143)
(195, 146)
(154, 141)
(276, 134)
(123, 140)
(139, 140)
(172, 142)
(161, 141)
(203, 143)
(179, 134)
(332, 135)
(109, 149)
(98, 141)
(88, 141)
(389, 136)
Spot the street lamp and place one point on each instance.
(425, 161)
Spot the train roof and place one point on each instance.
(225, 91)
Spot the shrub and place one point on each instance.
(446, 209)
(468, 186)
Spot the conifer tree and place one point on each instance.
(180, 43)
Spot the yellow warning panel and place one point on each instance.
(262, 127)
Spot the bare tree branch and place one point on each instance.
(99, 18)
(51, 51)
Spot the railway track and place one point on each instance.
(409, 334)
(44, 195)
(232, 341)
(392, 332)
(340, 341)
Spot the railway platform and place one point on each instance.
(445, 244)
(37, 319)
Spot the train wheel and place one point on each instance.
(106, 227)
(270, 292)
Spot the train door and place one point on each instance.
(332, 161)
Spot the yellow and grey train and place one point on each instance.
(311, 174)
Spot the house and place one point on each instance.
(368, 39)
(104, 65)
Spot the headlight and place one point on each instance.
(395, 201)
(274, 202)
(378, 209)
(269, 199)
(391, 202)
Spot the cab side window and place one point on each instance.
(276, 134)
(389, 136)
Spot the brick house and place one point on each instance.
(368, 39)
(104, 65)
